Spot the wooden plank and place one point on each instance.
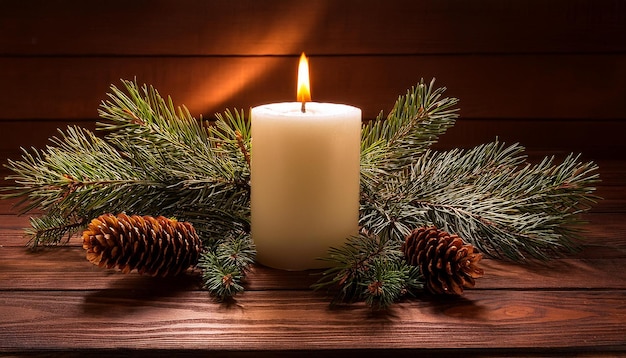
(65, 268)
(613, 200)
(490, 86)
(612, 172)
(267, 321)
(279, 27)
(596, 140)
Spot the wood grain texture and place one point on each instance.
(180, 319)
(20, 266)
(489, 86)
(279, 27)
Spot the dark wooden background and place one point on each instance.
(548, 74)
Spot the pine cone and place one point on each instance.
(153, 246)
(447, 264)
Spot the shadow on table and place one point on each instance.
(133, 292)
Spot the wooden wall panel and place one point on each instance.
(284, 27)
(520, 67)
(519, 87)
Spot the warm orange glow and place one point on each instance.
(304, 87)
(239, 81)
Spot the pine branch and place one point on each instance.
(234, 132)
(154, 158)
(349, 263)
(75, 177)
(490, 197)
(388, 281)
(221, 278)
(168, 140)
(368, 268)
(225, 268)
(202, 164)
(50, 229)
(416, 121)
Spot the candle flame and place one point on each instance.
(304, 87)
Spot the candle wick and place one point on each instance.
(303, 108)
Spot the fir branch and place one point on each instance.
(50, 229)
(155, 158)
(490, 197)
(388, 281)
(242, 146)
(225, 267)
(416, 121)
(221, 278)
(368, 267)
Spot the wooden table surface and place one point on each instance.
(54, 301)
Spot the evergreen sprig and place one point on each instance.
(369, 268)
(225, 268)
(415, 122)
(155, 158)
(488, 195)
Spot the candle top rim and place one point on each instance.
(312, 108)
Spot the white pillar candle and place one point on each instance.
(304, 181)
